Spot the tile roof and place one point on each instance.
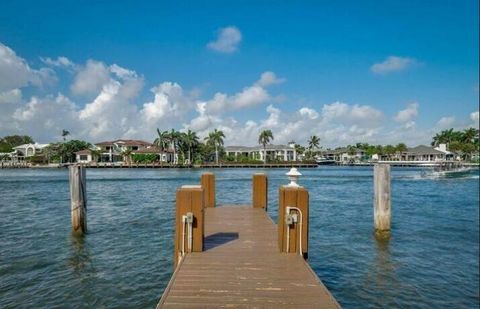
(422, 149)
(127, 142)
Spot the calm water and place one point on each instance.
(432, 259)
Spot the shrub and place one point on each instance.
(145, 157)
(37, 159)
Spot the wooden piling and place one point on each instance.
(208, 183)
(260, 191)
(382, 201)
(293, 197)
(190, 199)
(78, 199)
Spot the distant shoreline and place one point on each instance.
(235, 165)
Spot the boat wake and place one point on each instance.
(460, 173)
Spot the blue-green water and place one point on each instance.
(432, 259)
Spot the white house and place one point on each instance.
(28, 150)
(277, 152)
(116, 151)
(84, 156)
(344, 154)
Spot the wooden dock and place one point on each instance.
(241, 267)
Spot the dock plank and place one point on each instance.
(242, 267)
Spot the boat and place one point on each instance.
(324, 161)
(449, 172)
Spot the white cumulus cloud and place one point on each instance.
(59, 62)
(393, 64)
(445, 122)
(474, 116)
(269, 78)
(408, 114)
(90, 79)
(16, 73)
(11, 96)
(227, 41)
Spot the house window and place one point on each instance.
(108, 148)
(83, 157)
(134, 147)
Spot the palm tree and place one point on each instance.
(436, 139)
(126, 155)
(299, 150)
(161, 142)
(173, 137)
(96, 154)
(313, 143)
(64, 134)
(190, 139)
(264, 138)
(215, 138)
(469, 135)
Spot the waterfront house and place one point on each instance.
(84, 156)
(274, 152)
(120, 150)
(345, 155)
(114, 151)
(424, 153)
(28, 150)
(420, 154)
(167, 154)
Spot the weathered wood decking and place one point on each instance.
(242, 267)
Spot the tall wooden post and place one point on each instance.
(382, 201)
(293, 226)
(208, 183)
(260, 191)
(78, 199)
(189, 204)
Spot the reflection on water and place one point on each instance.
(125, 261)
(79, 258)
(382, 273)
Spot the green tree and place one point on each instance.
(96, 154)
(65, 133)
(313, 145)
(161, 142)
(66, 151)
(470, 135)
(190, 140)
(458, 141)
(299, 149)
(8, 142)
(215, 139)
(264, 138)
(389, 150)
(173, 137)
(126, 155)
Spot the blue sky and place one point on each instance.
(376, 71)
